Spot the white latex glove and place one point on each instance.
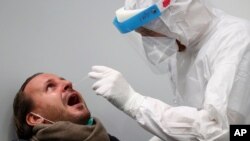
(111, 85)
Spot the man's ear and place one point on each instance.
(33, 120)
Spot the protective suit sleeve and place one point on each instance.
(178, 123)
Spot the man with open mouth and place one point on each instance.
(47, 107)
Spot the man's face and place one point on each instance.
(55, 99)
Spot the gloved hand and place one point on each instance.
(111, 85)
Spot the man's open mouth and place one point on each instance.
(73, 100)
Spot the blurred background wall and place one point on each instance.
(67, 37)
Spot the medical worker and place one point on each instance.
(210, 71)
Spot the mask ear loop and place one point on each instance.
(42, 117)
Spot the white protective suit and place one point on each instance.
(211, 77)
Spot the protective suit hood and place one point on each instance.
(184, 20)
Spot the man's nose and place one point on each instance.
(67, 85)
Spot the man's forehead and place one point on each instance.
(44, 77)
(38, 81)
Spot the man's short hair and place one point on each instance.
(22, 105)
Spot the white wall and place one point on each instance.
(67, 37)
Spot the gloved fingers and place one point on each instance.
(101, 69)
(100, 83)
(95, 75)
(98, 75)
(99, 72)
(102, 91)
(102, 86)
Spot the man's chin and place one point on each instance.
(81, 117)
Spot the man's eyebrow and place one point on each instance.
(51, 80)
(62, 78)
(48, 81)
